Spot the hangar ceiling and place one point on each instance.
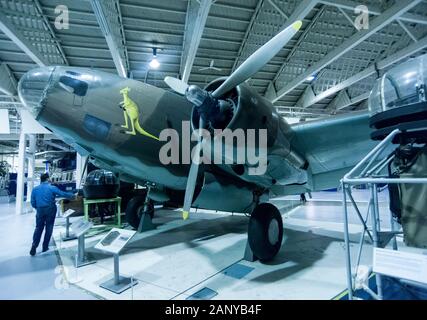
(119, 36)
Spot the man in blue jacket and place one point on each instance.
(43, 200)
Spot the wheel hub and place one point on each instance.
(273, 231)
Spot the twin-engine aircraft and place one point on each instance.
(119, 123)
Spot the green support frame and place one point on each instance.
(118, 200)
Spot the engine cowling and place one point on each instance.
(242, 109)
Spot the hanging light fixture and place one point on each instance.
(154, 63)
(311, 77)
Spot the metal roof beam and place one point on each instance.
(7, 81)
(308, 5)
(46, 32)
(342, 98)
(49, 28)
(109, 18)
(387, 17)
(307, 95)
(247, 33)
(353, 101)
(23, 43)
(373, 9)
(197, 14)
(405, 28)
(336, 106)
(394, 58)
(299, 13)
(275, 6)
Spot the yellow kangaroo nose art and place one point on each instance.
(131, 112)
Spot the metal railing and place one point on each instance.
(370, 171)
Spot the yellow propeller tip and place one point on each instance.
(297, 25)
(185, 215)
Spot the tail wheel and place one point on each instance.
(265, 231)
(135, 209)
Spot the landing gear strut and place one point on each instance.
(265, 231)
(137, 208)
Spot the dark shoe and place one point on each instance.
(45, 249)
(33, 251)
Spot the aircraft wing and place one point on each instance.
(332, 147)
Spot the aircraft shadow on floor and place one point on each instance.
(193, 234)
(300, 250)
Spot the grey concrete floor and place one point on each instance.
(23, 276)
(180, 258)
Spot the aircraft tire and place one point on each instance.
(265, 231)
(135, 209)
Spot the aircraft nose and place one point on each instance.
(32, 88)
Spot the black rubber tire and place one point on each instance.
(135, 209)
(258, 231)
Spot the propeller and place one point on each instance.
(192, 176)
(203, 101)
(177, 85)
(258, 59)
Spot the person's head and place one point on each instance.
(44, 177)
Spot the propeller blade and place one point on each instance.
(192, 176)
(258, 59)
(176, 85)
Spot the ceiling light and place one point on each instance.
(311, 78)
(154, 63)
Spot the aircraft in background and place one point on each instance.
(117, 121)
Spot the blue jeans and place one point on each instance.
(45, 219)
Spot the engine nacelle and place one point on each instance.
(239, 197)
(243, 109)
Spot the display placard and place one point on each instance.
(68, 213)
(81, 226)
(115, 240)
(404, 265)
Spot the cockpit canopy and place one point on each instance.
(401, 86)
(398, 101)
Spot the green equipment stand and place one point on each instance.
(118, 200)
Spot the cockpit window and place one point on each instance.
(73, 73)
(96, 127)
(73, 85)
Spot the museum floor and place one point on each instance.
(23, 276)
(180, 258)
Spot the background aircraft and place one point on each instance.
(117, 122)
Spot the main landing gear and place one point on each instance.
(139, 207)
(265, 228)
(265, 231)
